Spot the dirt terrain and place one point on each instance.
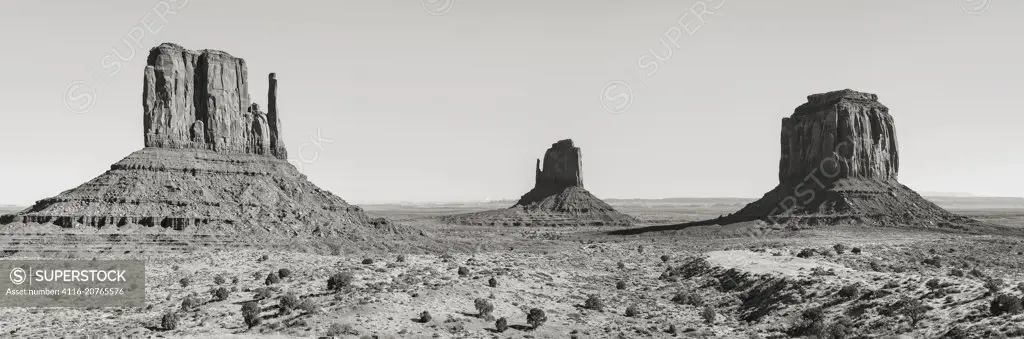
(736, 281)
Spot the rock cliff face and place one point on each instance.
(840, 164)
(557, 198)
(841, 134)
(200, 99)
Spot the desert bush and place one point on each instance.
(811, 323)
(284, 273)
(890, 285)
(688, 298)
(620, 285)
(309, 306)
(875, 266)
(257, 275)
(287, 303)
(913, 309)
(263, 293)
(632, 311)
(190, 303)
(621, 265)
(492, 282)
(855, 250)
(219, 280)
(933, 284)
(463, 271)
(185, 282)
(709, 314)
(339, 281)
(425, 317)
(850, 291)
(251, 314)
(234, 280)
(265, 257)
(221, 294)
(805, 253)
(640, 249)
(536, 317)
(841, 328)
(169, 321)
(401, 258)
(340, 331)
(367, 261)
(840, 248)
(272, 278)
(975, 272)
(594, 302)
(501, 325)
(956, 333)
(956, 272)
(993, 285)
(483, 307)
(1005, 304)
(935, 261)
(665, 258)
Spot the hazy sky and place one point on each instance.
(426, 107)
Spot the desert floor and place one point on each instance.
(737, 281)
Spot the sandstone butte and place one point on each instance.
(213, 162)
(557, 198)
(840, 164)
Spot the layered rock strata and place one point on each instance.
(840, 163)
(557, 198)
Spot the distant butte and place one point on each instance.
(839, 164)
(557, 198)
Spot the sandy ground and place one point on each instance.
(735, 271)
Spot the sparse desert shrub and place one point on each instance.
(492, 282)
(935, 261)
(425, 317)
(483, 306)
(284, 273)
(257, 275)
(1005, 304)
(875, 266)
(993, 285)
(234, 280)
(287, 303)
(840, 248)
(709, 314)
(501, 325)
(251, 314)
(401, 258)
(956, 272)
(594, 302)
(221, 294)
(632, 311)
(536, 317)
(841, 328)
(263, 293)
(956, 333)
(975, 272)
(665, 258)
(189, 304)
(672, 329)
(463, 271)
(309, 306)
(265, 257)
(620, 285)
(219, 280)
(621, 265)
(272, 278)
(185, 282)
(805, 253)
(169, 321)
(640, 249)
(339, 281)
(338, 330)
(688, 298)
(811, 323)
(855, 250)
(913, 309)
(850, 291)
(367, 261)
(890, 285)
(933, 284)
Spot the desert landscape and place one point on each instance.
(238, 205)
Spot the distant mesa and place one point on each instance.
(840, 163)
(557, 198)
(213, 163)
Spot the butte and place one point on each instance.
(557, 198)
(213, 163)
(839, 164)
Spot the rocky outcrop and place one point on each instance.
(214, 163)
(841, 134)
(200, 99)
(840, 163)
(557, 198)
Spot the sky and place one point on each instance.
(441, 100)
